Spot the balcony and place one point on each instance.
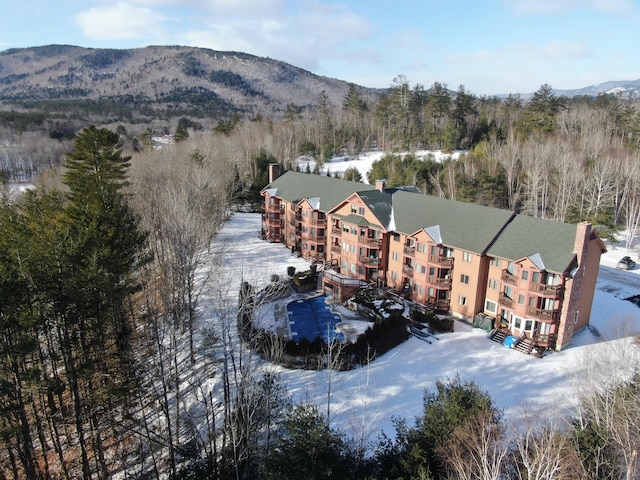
(299, 217)
(509, 278)
(408, 250)
(337, 231)
(321, 222)
(371, 242)
(541, 314)
(439, 303)
(505, 301)
(407, 270)
(336, 248)
(544, 289)
(274, 207)
(318, 237)
(440, 260)
(369, 260)
(439, 282)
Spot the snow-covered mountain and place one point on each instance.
(623, 88)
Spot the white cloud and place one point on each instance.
(554, 51)
(121, 21)
(529, 7)
(306, 35)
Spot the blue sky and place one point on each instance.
(489, 46)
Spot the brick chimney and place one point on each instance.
(274, 171)
(381, 185)
(573, 317)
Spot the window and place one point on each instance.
(422, 268)
(395, 256)
(396, 237)
(525, 275)
(462, 300)
(360, 270)
(493, 284)
(352, 248)
(354, 209)
(361, 210)
(490, 306)
(495, 262)
(521, 299)
(344, 265)
(431, 292)
(352, 268)
(466, 257)
(517, 322)
(418, 247)
(394, 275)
(345, 246)
(464, 279)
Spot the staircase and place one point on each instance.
(319, 275)
(498, 336)
(525, 346)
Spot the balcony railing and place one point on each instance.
(439, 303)
(408, 250)
(318, 237)
(407, 270)
(509, 278)
(336, 231)
(374, 242)
(506, 301)
(439, 282)
(336, 248)
(542, 314)
(545, 340)
(369, 260)
(274, 207)
(319, 221)
(544, 289)
(440, 260)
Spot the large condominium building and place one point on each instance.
(530, 278)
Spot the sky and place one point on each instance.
(489, 46)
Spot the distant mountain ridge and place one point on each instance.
(164, 83)
(158, 82)
(623, 88)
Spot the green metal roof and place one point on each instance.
(295, 186)
(380, 204)
(356, 220)
(526, 236)
(463, 225)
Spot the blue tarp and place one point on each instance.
(312, 318)
(510, 341)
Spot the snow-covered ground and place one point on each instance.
(363, 161)
(364, 401)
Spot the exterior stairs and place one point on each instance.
(498, 336)
(524, 346)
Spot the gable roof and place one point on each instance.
(326, 192)
(545, 242)
(463, 225)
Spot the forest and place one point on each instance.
(104, 262)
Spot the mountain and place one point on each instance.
(138, 86)
(624, 88)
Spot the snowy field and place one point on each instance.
(363, 162)
(364, 401)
